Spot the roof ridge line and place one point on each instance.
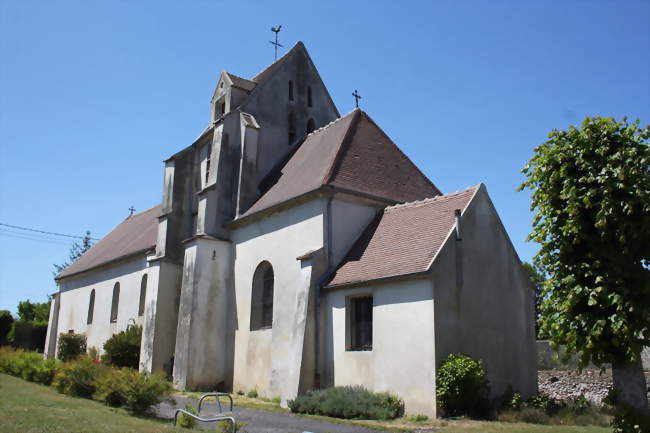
(356, 115)
(322, 128)
(430, 199)
(279, 59)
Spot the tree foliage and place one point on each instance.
(591, 195)
(76, 250)
(6, 322)
(33, 311)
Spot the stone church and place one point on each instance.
(295, 248)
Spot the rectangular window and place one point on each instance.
(360, 321)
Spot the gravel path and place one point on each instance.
(258, 421)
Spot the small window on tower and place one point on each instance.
(290, 90)
(208, 160)
(291, 124)
(311, 125)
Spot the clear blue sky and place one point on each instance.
(94, 95)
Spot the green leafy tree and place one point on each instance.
(6, 322)
(33, 311)
(76, 250)
(537, 278)
(591, 197)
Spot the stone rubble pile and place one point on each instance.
(563, 384)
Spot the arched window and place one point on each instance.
(290, 90)
(143, 295)
(309, 96)
(291, 124)
(115, 302)
(262, 297)
(311, 125)
(91, 307)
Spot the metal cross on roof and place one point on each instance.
(131, 209)
(356, 98)
(276, 30)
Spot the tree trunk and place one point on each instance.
(630, 384)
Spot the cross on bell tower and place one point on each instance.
(276, 44)
(131, 209)
(356, 98)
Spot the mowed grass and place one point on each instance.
(26, 407)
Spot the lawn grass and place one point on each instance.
(26, 407)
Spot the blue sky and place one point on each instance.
(94, 95)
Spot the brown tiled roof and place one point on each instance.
(242, 83)
(402, 240)
(352, 153)
(136, 234)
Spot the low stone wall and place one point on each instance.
(593, 384)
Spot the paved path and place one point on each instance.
(258, 421)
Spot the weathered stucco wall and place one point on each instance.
(161, 316)
(75, 297)
(270, 360)
(484, 301)
(348, 217)
(402, 359)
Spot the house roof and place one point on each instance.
(136, 234)
(242, 83)
(353, 154)
(402, 240)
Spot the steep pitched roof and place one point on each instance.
(403, 240)
(266, 72)
(352, 153)
(136, 234)
(242, 83)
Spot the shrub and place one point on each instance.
(545, 403)
(78, 378)
(27, 365)
(71, 346)
(123, 348)
(111, 387)
(350, 402)
(461, 385)
(418, 418)
(186, 420)
(93, 353)
(629, 420)
(226, 426)
(252, 393)
(142, 391)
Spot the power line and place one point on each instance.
(45, 232)
(35, 239)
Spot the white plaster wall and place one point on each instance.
(402, 359)
(348, 218)
(266, 357)
(75, 296)
(488, 313)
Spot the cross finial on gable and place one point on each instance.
(356, 98)
(276, 30)
(131, 209)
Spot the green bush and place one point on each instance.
(71, 346)
(350, 402)
(123, 348)
(28, 365)
(143, 390)
(111, 387)
(79, 378)
(461, 385)
(187, 421)
(226, 426)
(545, 403)
(252, 393)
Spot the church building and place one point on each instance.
(295, 248)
